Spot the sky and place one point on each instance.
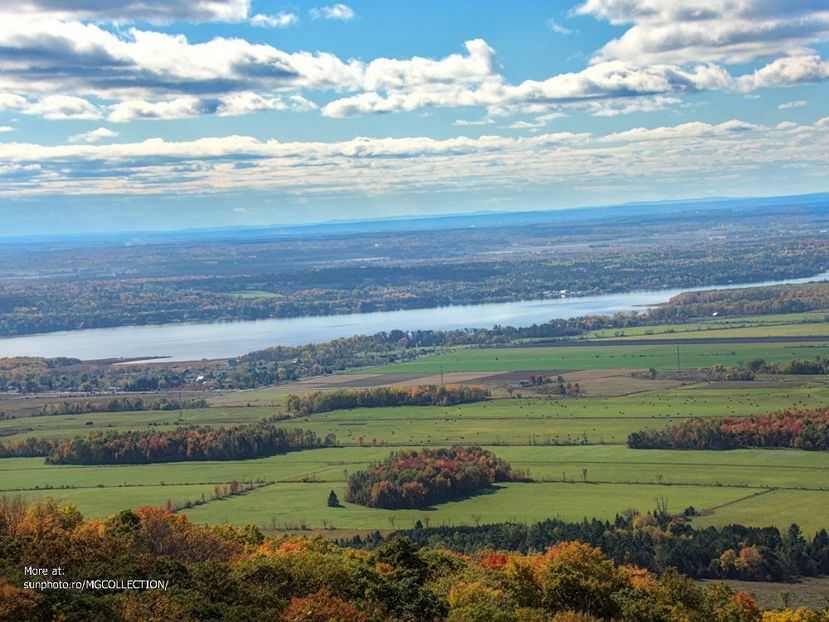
(120, 115)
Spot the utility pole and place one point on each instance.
(678, 368)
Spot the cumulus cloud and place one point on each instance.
(93, 136)
(788, 71)
(60, 107)
(43, 56)
(280, 20)
(604, 81)
(727, 31)
(152, 11)
(336, 12)
(145, 74)
(6, 128)
(190, 106)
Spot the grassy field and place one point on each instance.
(525, 420)
(290, 504)
(770, 330)
(602, 357)
(573, 482)
(808, 323)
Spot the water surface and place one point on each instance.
(194, 341)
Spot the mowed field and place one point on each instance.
(572, 447)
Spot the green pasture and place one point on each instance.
(293, 504)
(556, 358)
(515, 420)
(807, 323)
(810, 510)
(572, 482)
(770, 330)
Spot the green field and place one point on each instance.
(524, 421)
(808, 323)
(294, 503)
(602, 357)
(572, 482)
(771, 330)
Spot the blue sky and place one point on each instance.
(167, 114)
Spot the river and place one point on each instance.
(209, 340)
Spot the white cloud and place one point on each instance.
(473, 122)
(236, 104)
(93, 136)
(60, 107)
(6, 128)
(280, 20)
(788, 71)
(553, 25)
(58, 57)
(727, 31)
(800, 103)
(247, 102)
(152, 11)
(337, 12)
(9, 101)
(683, 131)
(135, 73)
(484, 87)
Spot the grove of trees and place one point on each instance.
(410, 479)
(178, 445)
(422, 395)
(796, 428)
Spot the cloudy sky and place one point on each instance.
(168, 114)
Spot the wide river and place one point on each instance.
(194, 341)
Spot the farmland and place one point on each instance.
(573, 448)
(659, 356)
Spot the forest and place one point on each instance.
(228, 573)
(179, 445)
(411, 479)
(769, 299)
(655, 540)
(422, 395)
(794, 428)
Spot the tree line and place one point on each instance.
(421, 395)
(117, 404)
(223, 572)
(410, 479)
(796, 428)
(654, 540)
(178, 445)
